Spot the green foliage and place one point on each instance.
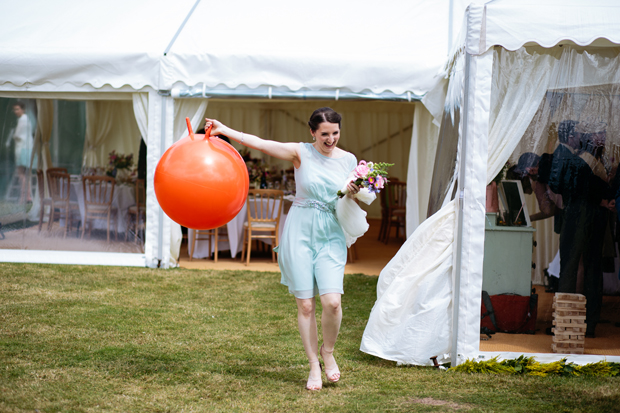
(529, 366)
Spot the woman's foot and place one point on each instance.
(332, 373)
(315, 383)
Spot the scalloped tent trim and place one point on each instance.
(547, 23)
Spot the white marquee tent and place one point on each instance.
(429, 295)
(157, 54)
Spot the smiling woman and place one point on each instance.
(325, 129)
(312, 252)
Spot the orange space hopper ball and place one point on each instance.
(201, 182)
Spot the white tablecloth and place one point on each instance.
(124, 197)
(235, 235)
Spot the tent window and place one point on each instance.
(555, 128)
(37, 135)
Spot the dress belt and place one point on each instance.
(313, 203)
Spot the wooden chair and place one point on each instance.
(62, 207)
(396, 208)
(43, 200)
(63, 170)
(264, 211)
(136, 214)
(207, 235)
(98, 197)
(383, 196)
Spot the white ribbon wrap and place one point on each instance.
(351, 217)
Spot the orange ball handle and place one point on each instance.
(189, 128)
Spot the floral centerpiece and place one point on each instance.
(257, 171)
(120, 166)
(370, 175)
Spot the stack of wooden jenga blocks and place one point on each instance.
(569, 319)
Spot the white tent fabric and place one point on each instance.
(485, 146)
(148, 47)
(403, 325)
(276, 43)
(140, 111)
(421, 162)
(512, 24)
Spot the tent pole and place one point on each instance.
(160, 215)
(181, 28)
(454, 360)
(450, 25)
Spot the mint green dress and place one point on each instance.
(312, 251)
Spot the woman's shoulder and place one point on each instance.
(304, 148)
(349, 157)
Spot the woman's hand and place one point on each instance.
(218, 127)
(353, 189)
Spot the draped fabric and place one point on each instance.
(411, 320)
(519, 83)
(421, 161)
(140, 111)
(110, 125)
(43, 134)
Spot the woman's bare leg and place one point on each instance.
(306, 321)
(21, 175)
(330, 323)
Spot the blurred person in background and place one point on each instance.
(21, 138)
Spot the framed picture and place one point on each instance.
(512, 204)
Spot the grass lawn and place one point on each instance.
(83, 338)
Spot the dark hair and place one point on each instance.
(20, 104)
(323, 115)
(526, 160)
(565, 129)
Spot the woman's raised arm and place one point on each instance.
(287, 151)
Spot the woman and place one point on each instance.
(312, 252)
(23, 141)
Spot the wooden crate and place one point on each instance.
(569, 320)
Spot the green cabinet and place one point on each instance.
(507, 264)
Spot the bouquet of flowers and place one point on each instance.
(370, 175)
(118, 162)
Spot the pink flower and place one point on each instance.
(380, 182)
(361, 170)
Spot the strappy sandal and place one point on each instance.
(315, 384)
(333, 375)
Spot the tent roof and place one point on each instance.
(66, 45)
(513, 24)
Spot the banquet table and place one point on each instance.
(235, 233)
(124, 197)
